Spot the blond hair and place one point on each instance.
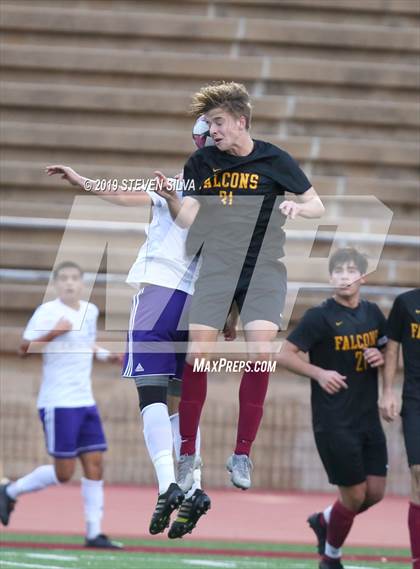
(230, 96)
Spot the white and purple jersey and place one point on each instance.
(162, 259)
(67, 360)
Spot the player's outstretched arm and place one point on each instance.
(118, 196)
(182, 212)
(309, 206)
(289, 357)
(104, 355)
(62, 326)
(388, 402)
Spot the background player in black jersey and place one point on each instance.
(342, 337)
(404, 329)
(234, 218)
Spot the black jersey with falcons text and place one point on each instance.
(335, 337)
(238, 196)
(404, 327)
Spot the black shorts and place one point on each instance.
(349, 457)
(257, 298)
(410, 414)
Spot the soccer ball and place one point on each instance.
(201, 133)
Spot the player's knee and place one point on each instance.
(97, 471)
(92, 466)
(197, 355)
(151, 394)
(374, 497)
(198, 350)
(260, 356)
(173, 404)
(355, 503)
(355, 498)
(64, 474)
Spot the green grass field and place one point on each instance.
(209, 556)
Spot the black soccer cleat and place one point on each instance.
(166, 504)
(330, 564)
(319, 530)
(102, 541)
(189, 513)
(7, 505)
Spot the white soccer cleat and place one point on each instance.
(240, 466)
(185, 470)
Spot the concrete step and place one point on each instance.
(357, 11)
(169, 65)
(390, 272)
(28, 255)
(116, 140)
(160, 109)
(197, 33)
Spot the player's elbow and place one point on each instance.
(22, 351)
(318, 207)
(182, 223)
(321, 210)
(283, 357)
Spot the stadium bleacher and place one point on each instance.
(104, 86)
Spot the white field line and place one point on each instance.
(51, 556)
(30, 565)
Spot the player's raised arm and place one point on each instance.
(118, 195)
(309, 205)
(182, 212)
(104, 355)
(290, 358)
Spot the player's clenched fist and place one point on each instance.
(331, 381)
(290, 208)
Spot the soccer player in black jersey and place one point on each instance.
(404, 329)
(343, 337)
(235, 214)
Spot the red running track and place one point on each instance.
(235, 516)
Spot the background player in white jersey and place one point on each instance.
(72, 426)
(165, 276)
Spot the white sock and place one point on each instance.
(198, 442)
(333, 552)
(93, 501)
(158, 437)
(197, 477)
(327, 514)
(196, 484)
(177, 436)
(38, 479)
(177, 447)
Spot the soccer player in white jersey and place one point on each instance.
(165, 276)
(66, 328)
